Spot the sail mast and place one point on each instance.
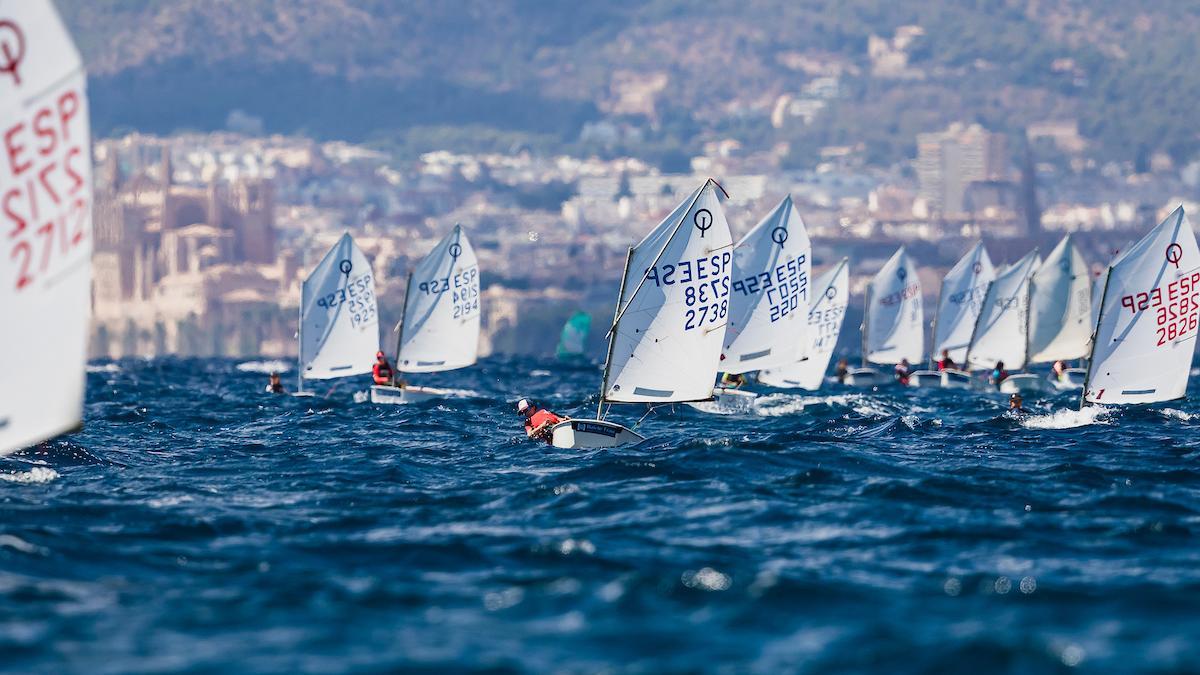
(403, 320)
(1087, 379)
(612, 334)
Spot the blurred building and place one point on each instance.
(950, 161)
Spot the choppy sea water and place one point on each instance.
(197, 525)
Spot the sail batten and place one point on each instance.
(666, 340)
(895, 319)
(832, 293)
(339, 317)
(440, 327)
(1147, 324)
(769, 299)
(45, 268)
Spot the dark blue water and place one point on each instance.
(197, 525)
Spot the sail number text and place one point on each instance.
(45, 200)
(705, 283)
(825, 322)
(1176, 310)
(463, 288)
(359, 297)
(786, 292)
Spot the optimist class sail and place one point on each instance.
(824, 326)
(46, 190)
(769, 299)
(1060, 292)
(1001, 332)
(666, 339)
(959, 302)
(440, 328)
(1146, 334)
(895, 320)
(339, 320)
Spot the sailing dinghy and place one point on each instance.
(824, 326)
(669, 326)
(1060, 326)
(894, 323)
(45, 267)
(1001, 329)
(339, 318)
(959, 302)
(440, 327)
(1146, 334)
(768, 302)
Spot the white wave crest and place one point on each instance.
(1171, 413)
(38, 474)
(265, 367)
(103, 368)
(1068, 419)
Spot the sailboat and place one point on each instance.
(339, 318)
(45, 268)
(1001, 329)
(768, 301)
(894, 322)
(824, 326)
(439, 330)
(959, 302)
(1146, 334)
(572, 342)
(1060, 325)
(669, 325)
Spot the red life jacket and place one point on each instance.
(536, 419)
(382, 372)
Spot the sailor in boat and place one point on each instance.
(1060, 370)
(1014, 403)
(903, 370)
(274, 386)
(382, 370)
(733, 380)
(946, 363)
(843, 367)
(998, 375)
(538, 421)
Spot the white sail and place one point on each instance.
(339, 319)
(824, 326)
(440, 329)
(46, 218)
(769, 296)
(1001, 332)
(895, 318)
(1060, 306)
(959, 302)
(671, 316)
(1148, 318)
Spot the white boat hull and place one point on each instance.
(1023, 383)
(925, 379)
(864, 377)
(585, 434)
(386, 395)
(953, 378)
(727, 401)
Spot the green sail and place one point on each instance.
(573, 341)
